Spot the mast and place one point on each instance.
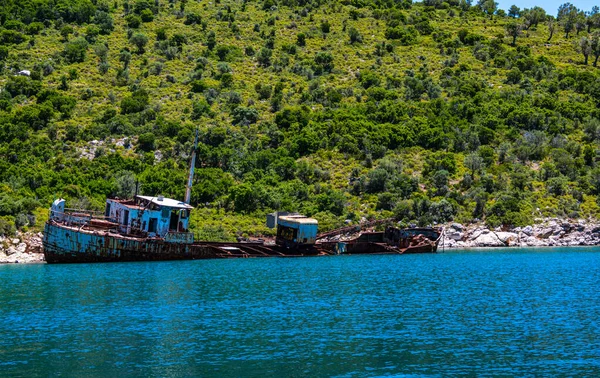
(188, 187)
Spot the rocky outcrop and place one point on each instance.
(22, 248)
(546, 232)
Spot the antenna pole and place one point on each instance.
(188, 187)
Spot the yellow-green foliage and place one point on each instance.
(429, 114)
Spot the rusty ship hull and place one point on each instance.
(391, 241)
(76, 244)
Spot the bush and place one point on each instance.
(324, 61)
(244, 116)
(134, 103)
(133, 21)
(405, 35)
(355, 36)
(75, 51)
(11, 37)
(7, 227)
(146, 15)
(22, 85)
(146, 141)
(34, 28)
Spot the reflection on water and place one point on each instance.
(526, 312)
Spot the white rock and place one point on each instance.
(15, 241)
(488, 240)
(478, 232)
(528, 230)
(21, 248)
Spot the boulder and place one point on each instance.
(508, 238)
(479, 231)
(458, 226)
(21, 248)
(15, 241)
(527, 230)
(487, 240)
(533, 242)
(545, 233)
(456, 236)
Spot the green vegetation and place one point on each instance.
(340, 110)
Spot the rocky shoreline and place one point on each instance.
(547, 232)
(21, 248)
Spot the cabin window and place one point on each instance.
(185, 214)
(126, 217)
(152, 225)
(107, 210)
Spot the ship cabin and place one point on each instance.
(155, 216)
(294, 230)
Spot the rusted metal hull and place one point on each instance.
(392, 241)
(65, 244)
(77, 244)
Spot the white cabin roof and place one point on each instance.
(167, 202)
(298, 219)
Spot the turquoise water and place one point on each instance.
(492, 313)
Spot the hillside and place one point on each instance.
(339, 110)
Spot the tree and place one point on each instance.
(133, 21)
(264, 57)
(595, 45)
(301, 39)
(514, 11)
(567, 17)
(580, 22)
(139, 40)
(75, 50)
(473, 162)
(146, 142)
(244, 116)
(134, 103)
(533, 16)
(104, 21)
(125, 58)
(324, 60)
(354, 35)
(513, 30)
(211, 40)
(551, 27)
(489, 7)
(125, 184)
(101, 51)
(65, 31)
(585, 47)
(593, 19)
(440, 182)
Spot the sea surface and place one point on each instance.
(517, 312)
